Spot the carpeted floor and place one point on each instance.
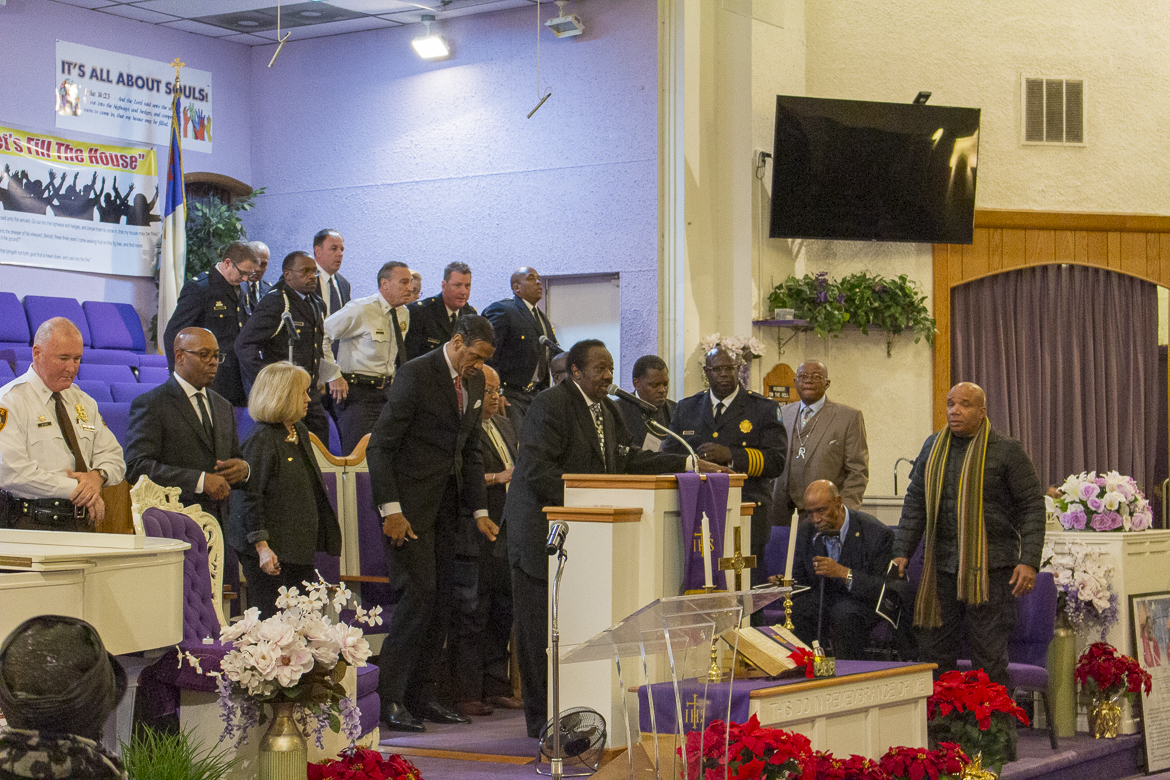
(500, 734)
(1079, 756)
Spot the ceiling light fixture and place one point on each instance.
(310, 14)
(565, 25)
(430, 46)
(248, 23)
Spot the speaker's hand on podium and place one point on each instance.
(716, 453)
(707, 466)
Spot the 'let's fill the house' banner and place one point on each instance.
(77, 206)
(126, 97)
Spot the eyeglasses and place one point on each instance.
(490, 393)
(206, 356)
(810, 377)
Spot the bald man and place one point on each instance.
(982, 530)
(56, 454)
(520, 358)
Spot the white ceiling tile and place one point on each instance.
(141, 14)
(383, 6)
(338, 28)
(251, 40)
(191, 9)
(87, 3)
(199, 28)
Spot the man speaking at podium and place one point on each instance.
(571, 428)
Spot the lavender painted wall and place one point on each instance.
(433, 162)
(29, 30)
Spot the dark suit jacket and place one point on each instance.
(636, 421)
(558, 437)
(264, 337)
(750, 428)
(420, 439)
(165, 441)
(272, 506)
(208, 301)
(867, 551)
(430, 326)
(496, 494)
(518, 347)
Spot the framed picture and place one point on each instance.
(1149, 614)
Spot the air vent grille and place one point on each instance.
(1054, 111)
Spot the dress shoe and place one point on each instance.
(506, 702)
(437, 713)
(398, 718)
(473, 709)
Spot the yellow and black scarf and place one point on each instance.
(972, 584)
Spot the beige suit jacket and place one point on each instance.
(835, 450)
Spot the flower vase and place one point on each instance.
(1104, 717)
(1062, 657)
(284, 754)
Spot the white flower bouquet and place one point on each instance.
(742, 349)
(1101, 502)
(1085, 599)
(298, 655)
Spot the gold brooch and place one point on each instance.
(81, 415)
(745, 426)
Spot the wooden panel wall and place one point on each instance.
(1133, 244)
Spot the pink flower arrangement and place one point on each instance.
(1101, 502)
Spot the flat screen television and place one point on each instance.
(858, 170)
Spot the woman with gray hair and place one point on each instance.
(282, 518)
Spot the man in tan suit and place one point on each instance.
(826, 440)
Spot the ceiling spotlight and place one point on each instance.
(428, 46)
(565, 25)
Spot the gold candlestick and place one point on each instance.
(787, 582)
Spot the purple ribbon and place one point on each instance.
(696, 496)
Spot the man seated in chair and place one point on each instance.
(842, 554)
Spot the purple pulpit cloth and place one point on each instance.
(692, 694)
(696, 497)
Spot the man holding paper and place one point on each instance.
(842, 554)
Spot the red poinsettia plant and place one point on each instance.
(945, 761)
(749, 751)
(968, 709)
(804, 657)
(830, 767)
(1105, 673)
(362, 764)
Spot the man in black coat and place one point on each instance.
(842, 554)
(255, 286)
(328, 252)
(572, 428)
(265, 336)
(212, 300)
(735, 427)
(425, 464)
(432, 321)
(168, 439)
(651, 384)
(520, 359)
(1003, 536)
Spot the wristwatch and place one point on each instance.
(105, 476)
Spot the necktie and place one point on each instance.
(254, 287)
(599, 424)
(205, 415)
(718, 412)
(334, 296)
(498, 443)
(454, 317)
(70, 433)
(399, 349)
(805, 415)
(459, 393)
(246, 288)
(542, 360)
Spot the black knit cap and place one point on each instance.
(56, 677)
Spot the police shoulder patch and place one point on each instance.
(3, 417)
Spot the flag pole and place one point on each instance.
(173, 255)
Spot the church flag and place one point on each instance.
(172, 265)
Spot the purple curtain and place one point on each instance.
(1068, 356)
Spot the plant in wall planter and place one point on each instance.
(862, 300)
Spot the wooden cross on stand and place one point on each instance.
(738, 561)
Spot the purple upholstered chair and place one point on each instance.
(6, 372)
(152, 360)
(126, 392)
(152, 375)
(775, 553)
(105, 373)
(95, 389)
(1028, 646)
(14, 332)
(111, 357)
(42, 307)
(114, 326)
(117, 419)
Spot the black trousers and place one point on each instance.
(845, 624)
(357, 414)
(481, 627)
(422, 570)
(263, 589)
(518, 402)
(530, 606)
(316, 420)
(987, 627)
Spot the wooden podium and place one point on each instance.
(625, 550)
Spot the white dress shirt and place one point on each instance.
(362, 329)
(191, 391)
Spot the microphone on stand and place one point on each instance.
(645, 406)
(287, 320)
(554, 347)
(556, 538)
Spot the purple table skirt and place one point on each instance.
(694, 693)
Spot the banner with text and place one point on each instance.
(77, 206)
(107, 93)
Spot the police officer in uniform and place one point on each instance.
(432, 321)
(371, 333)
(521, 360)
(56, 454)
(265, 337)
(732, 426)
(213, 300)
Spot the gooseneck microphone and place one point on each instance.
(552, 345)
(556, 538)
(645, 406)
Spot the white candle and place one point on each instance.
(791, 547)
(708, 577)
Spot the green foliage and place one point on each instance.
(997, 743)
(211, 226)
(861, 299)
(156, 755)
